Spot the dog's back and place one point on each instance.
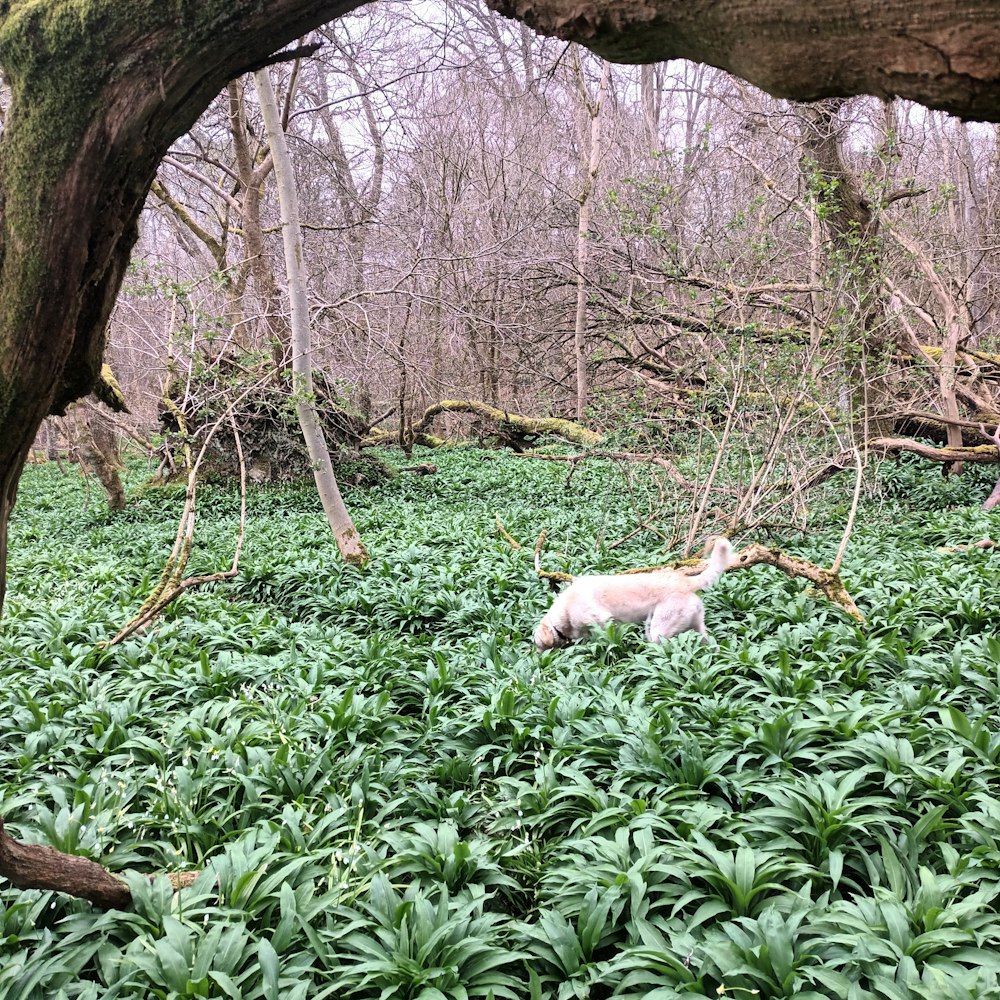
(632, 597)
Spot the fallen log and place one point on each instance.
(984, 454)
(515, 422)
(920, 423)
(969, 363)
(37, 866)
(378, 437)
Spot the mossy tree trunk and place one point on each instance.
(99, 453)
(99, 91)
(515, 422)
(273, 330)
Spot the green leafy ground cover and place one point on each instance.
(391, 795)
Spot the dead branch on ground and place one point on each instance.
(982, 454)
(38, 866)
(983, 543)
(516, 425)
(172, 583)
(507, 536)
(554, 578)
(826, 580)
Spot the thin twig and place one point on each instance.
(506, 535)
(849, 527)
(170, 586)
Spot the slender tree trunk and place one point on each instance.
(348, 540)
(817, 299)
(957, 330)
(993, 500)
(273, 329)
(583, 231)
(651, 95)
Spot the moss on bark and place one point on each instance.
(515, 424)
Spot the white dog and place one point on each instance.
(666, 600)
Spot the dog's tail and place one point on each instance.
(718, 562)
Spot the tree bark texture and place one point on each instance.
(35, 866)
(939, 52)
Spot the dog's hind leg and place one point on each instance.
(675, 614)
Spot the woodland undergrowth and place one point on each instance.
(390, 794)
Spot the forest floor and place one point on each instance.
(391, 794)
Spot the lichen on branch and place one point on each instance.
(514, 423)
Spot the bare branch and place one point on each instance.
(827, 580)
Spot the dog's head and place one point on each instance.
(546, 637)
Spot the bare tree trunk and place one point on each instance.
(816, 296)
(957, 329)
(651, 95)
(583, 230)
(348, 540)
(252, 175)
